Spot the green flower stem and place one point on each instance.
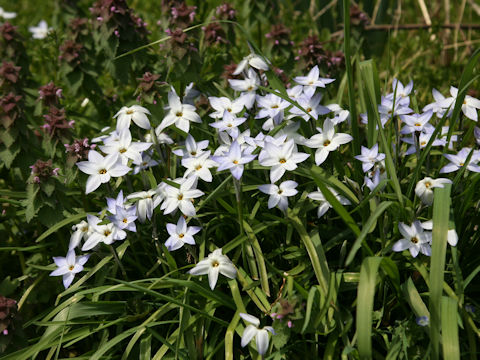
(119, 263)
(246, 248)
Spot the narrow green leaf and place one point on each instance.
(366, 229)
(337, 206)
(414, 299)
(258, 257)
(451, 346)
(310, 303)
(59, 225)
(365, 297)
(350, 77)
(229, 336)
(441, 213)
(314, 252)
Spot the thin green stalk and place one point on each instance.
(351, 89)
(119, 263)
(247, 248)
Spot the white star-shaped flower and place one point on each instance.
(101, 169)
(106, 233)
(370, 157)
(147, 201)
(222, 104)
(229, 124)
(326, 141)
(279, 194)
(135, 113)
(324, 204)
(81, 231)
(252, 60)
(416, 122)
(180, 234)
(470, 104)
(415, 239)
(248, 86)
(280, 158)
(311, 105)
(125, 147)
(181, 198)
(199, 166)
(69, 266)
(180, 114)
(6, 14)
(424, 188)
(234, 160)
(192, 148)
(457, 161)
(312, 81)
(216, 263)
(252, 331)
(40, 31)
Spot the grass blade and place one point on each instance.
(320, 272)
(365, 297)
(441, 212)
(349, 68)
(366, 228)
(451, 347)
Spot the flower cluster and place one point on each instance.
(264, 136)
(43, 170)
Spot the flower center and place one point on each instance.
(309, 109)
(198, 167)
(250, 88)
(326, 143)
(282, 161)
(122, 150)
(71, 267)
(414, 240)
(129, 112)
(229, 110)
(428, 184)
(179, 114)
(144, 163)
(235, 162)
(84, 229)
(107, 232)
(125, 221)
(274, 106)
(193, 153)
(461, 164)
(418, 124)
(180, 197)
(181, 235)
(215, 263)
(229, 125)
(103, 171)
(464, 102)
(280, 191)
(310, 82)
(423, 143)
